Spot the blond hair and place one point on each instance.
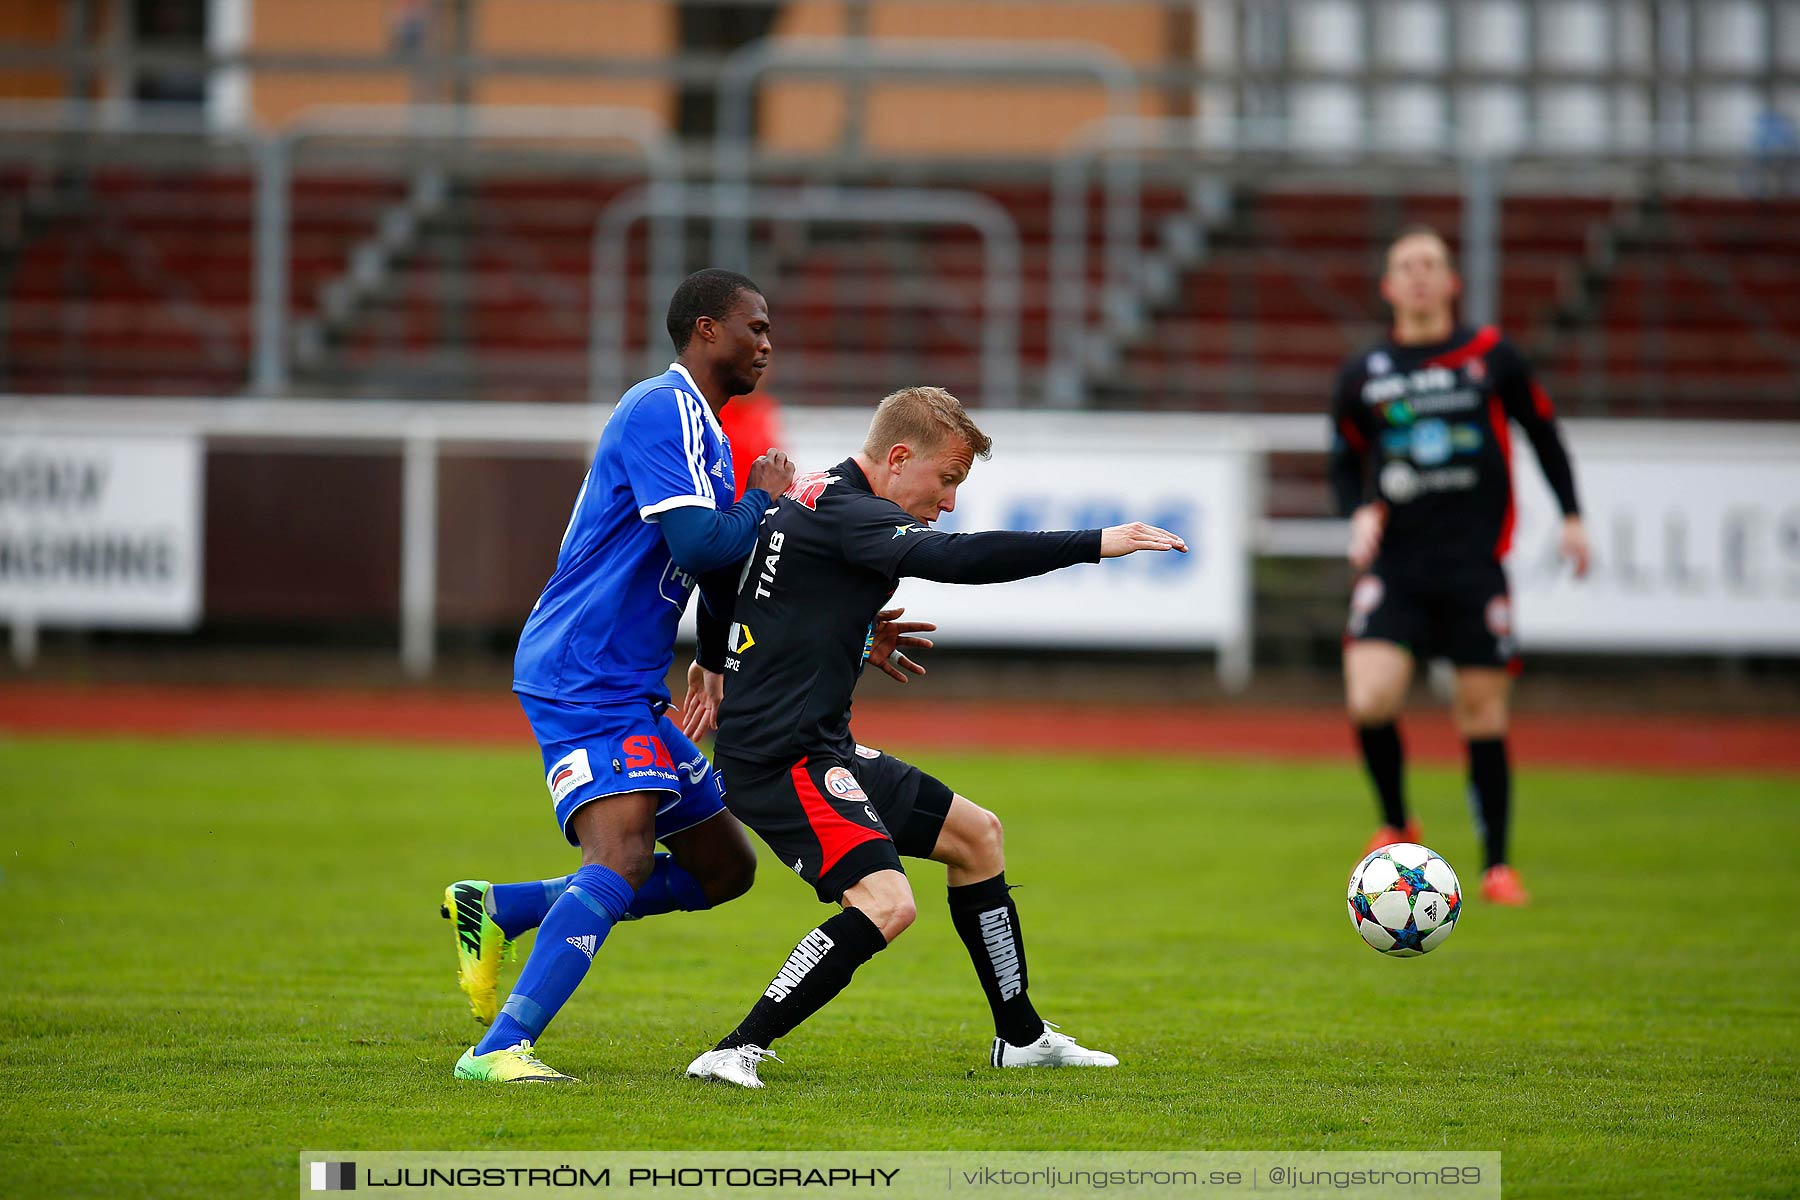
(924, 418)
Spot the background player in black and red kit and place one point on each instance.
(1421, 462)
(830, 554)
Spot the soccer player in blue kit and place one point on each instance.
(592, 662)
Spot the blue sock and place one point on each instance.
(572, 931)
(669, 889)
(520, 907)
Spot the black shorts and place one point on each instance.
(1462, 614)
(835, 821)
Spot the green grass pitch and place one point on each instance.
(217, 954)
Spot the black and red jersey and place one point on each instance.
(1426, 430)
(828, 557)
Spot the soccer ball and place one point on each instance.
(1404, 900)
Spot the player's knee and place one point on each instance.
(1370, 705)
(733, 879)
(987, 841)
(886, 902)
(898, 918)
(1482, 719)
(632, 859)
(633, 868)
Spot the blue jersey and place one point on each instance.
(604, 629)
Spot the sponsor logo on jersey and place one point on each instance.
(675, 586)
(1475, 371)
(867, 751)
(771, 563)
(569, 773)
(1378, 363)
(806, 489)
(842, 784)
(718, 469)
(1431, 443)
(739, 639)
(903, 530)
(1399, 482)
(1460, 400)
(1427, 390)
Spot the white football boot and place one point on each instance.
(1053, 1049)
(736, 1065)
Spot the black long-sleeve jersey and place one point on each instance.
(829, 556)
(1425, 430)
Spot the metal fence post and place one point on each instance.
(1480, 239)
(270, 266)
(418, 549)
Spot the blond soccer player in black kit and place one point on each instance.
(1421, 463)
(808, 615)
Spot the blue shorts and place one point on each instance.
(597, 750)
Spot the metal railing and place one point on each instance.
(1001, 286)
(1477, 170)
(1233, 151)
(439, 123)
(858, 59)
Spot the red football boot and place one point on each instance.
(1500, 885)
(1387, 835)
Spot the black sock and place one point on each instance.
(1490, 794)
(819, 968)
(1385, 759)
(988, 922)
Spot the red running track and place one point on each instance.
(1660, 742)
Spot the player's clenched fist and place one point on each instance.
(773, 472)
(1121, 540)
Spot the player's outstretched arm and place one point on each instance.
(1121, 540)
(1005, 555)
(997, 557)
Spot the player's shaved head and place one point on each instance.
(709, 293)
(1416, 232)
(1420, 284)
(925, 418)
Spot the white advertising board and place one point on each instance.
(1084, 473)
(100, 530)
(1695, 534)
(1194, 600)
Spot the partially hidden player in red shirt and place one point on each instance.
(1421, 463)
(750, 422)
